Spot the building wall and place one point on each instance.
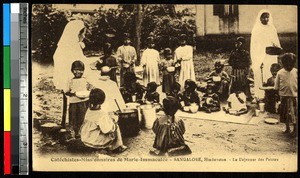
(285, 19)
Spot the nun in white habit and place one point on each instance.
(264, 34)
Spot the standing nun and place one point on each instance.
(184, 55)
(264, 34)
(69, 49)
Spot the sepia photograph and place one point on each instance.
(164, 87)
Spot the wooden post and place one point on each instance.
(138, 29)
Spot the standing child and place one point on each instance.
(211, 102)
(240, 62)
(220, 80)
(110, 61)
(126, 55)
(99, 130)
(78, 105)
(152, 95)
(286, 83)
(149, 61)
(271, 95)
(169, 130)
(237, 101)
(168, 76)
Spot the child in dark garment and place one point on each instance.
(211, 102)
(220, 80)
(271, 95)
(189, 95)
(169, 130)
(131, 89)
(78, 105)
(175, 90)
(151, 95)
(168, 77)
(110, 61)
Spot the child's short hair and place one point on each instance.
(171, 105)
(288, 59)
(275, 67)
(219, 63)
(176, 86)
(167, 52)
(241, 39)
(97, 96)
(77, 65)
(152, 86)
(107, 49)
(191, 84)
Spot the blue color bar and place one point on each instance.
(6, 24)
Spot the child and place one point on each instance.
(189, 95)
(271, 95)
(126, 55)
(240, 62)
(221, 85)
(131, 90)
(211, 102)
(151, 95)
(169, 130)
(99, 130)
(175, 90)
(78, 106)
(236, 101)
(286, 83)
(168, 77)
(110, 61)
(149, 61)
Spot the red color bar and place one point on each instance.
(7, 153)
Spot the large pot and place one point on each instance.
(129, 122)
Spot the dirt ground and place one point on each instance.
(202, 136)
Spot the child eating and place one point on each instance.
(189, 95)
(131, 90)
(99, 130)
(236, 101)
(152, 95)
(211, 102)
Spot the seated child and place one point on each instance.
(99, 130)
(271, 95)
(77, 106)
(151, 95)
(236, 101)
(286, 83)
(131, 89)
(168, 77)
(108, 60)
(211, 102)
(221, 87)
(189, 95)
(175, 90)
(169, 130)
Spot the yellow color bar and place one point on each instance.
(7, 110)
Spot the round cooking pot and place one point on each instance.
(128, 122)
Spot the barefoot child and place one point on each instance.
(168, 77)
(99, 130)
(286, 83)
(78, 106)
(169, 130)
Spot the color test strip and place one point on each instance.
(6, 78)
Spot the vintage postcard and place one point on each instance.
(164, 87)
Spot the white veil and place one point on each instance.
(262, 36)
(68, 50)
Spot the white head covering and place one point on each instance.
(71, 32)
(258, 23)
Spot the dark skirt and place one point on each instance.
(76, 115)
(168, 82)
(240, 76)
(288, 109)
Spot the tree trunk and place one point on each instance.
(138, 29)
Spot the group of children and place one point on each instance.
(97, 129)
